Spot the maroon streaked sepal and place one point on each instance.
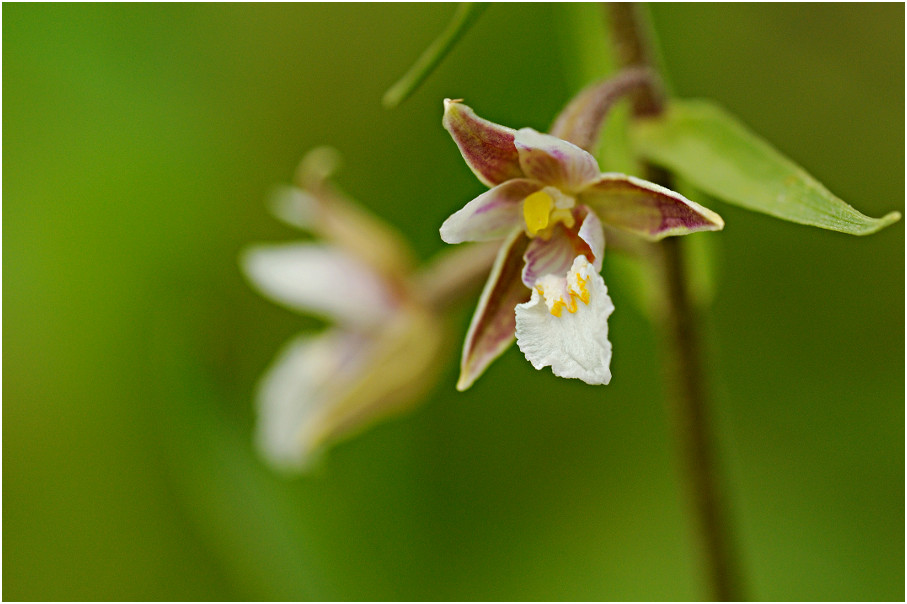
(493, 325)
(646, 208)
(555, 162)
(487, 147)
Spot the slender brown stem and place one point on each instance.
(688, 407)
(581, 121)
(685, 378)
(632, 49)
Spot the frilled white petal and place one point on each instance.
(295, 391)
(321, 280)
(565, 324)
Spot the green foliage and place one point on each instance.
(466, 15)
(718, 154)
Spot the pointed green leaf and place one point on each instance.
(716, 153)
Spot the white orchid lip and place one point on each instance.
(574, 344)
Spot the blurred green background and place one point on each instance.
(140, 142)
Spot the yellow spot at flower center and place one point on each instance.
(536, 211)
(546, 208)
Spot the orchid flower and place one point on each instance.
(547, 202)
(382, 351)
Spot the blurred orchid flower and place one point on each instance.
(384, 347)
(547, 202)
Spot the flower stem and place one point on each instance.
(685, 379)
(687, 401)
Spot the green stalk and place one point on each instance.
(685, 378)
(466, 14)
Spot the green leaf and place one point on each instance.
(703, 143)
(466, 15)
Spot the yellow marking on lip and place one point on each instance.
(583, 292)
(570, 304)
(558, 308)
